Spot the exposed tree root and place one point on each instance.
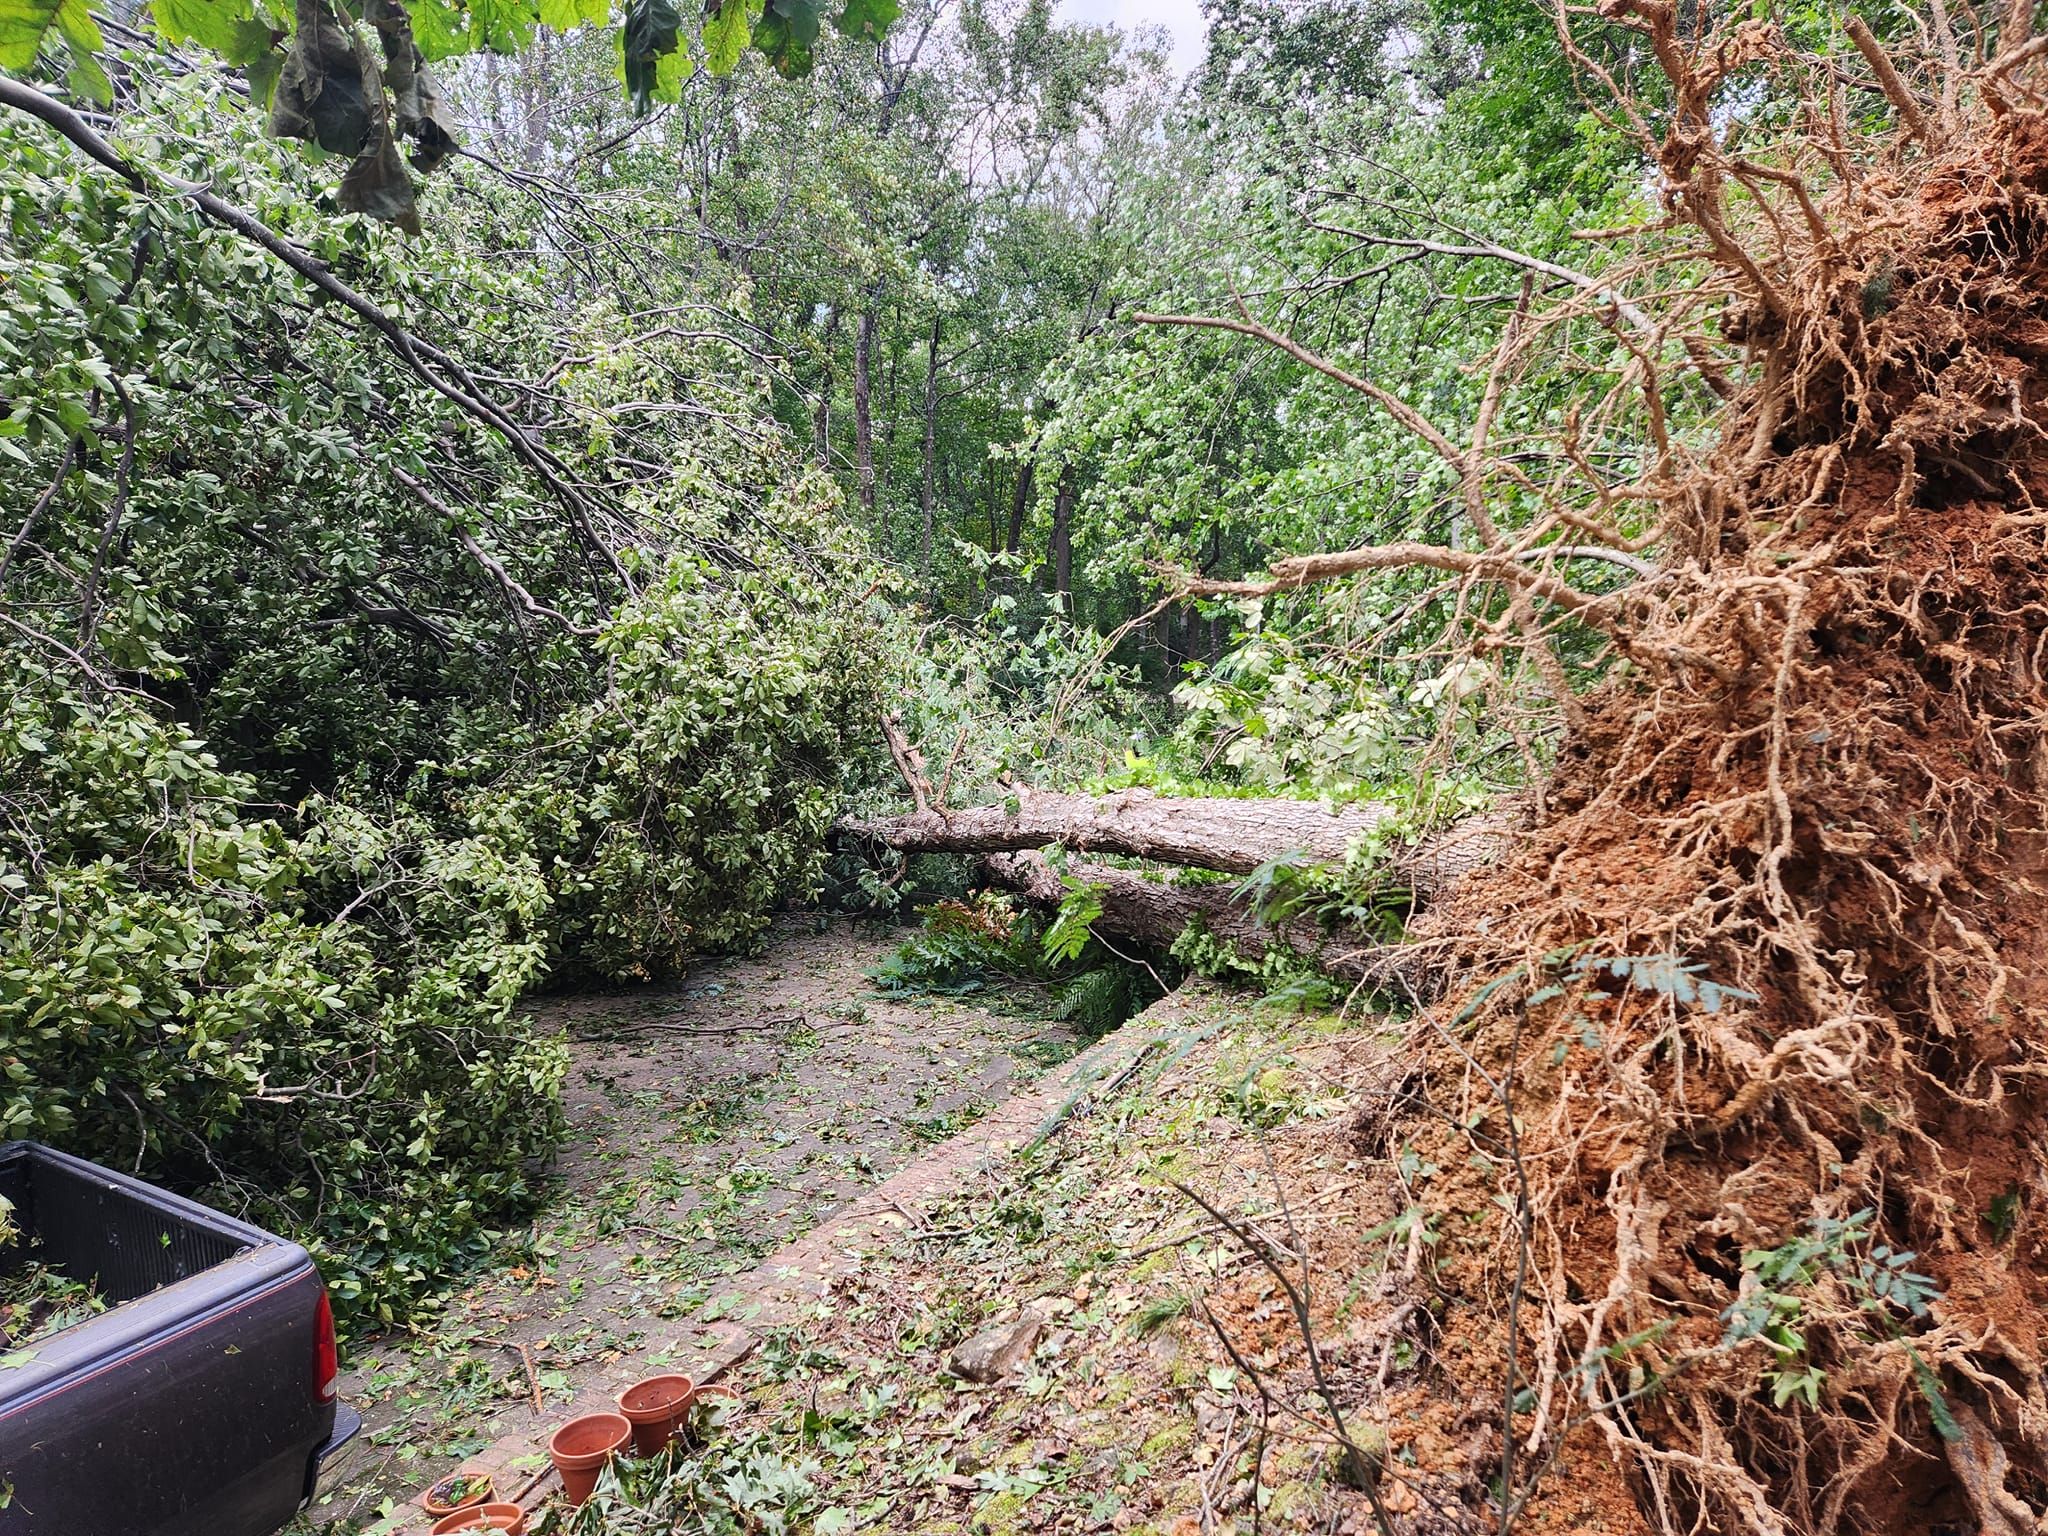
(1733, 1112)
(1840, 828)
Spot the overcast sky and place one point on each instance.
(1181, 18)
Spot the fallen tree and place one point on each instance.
(1231, 835)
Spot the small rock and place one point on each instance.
(995, 1352)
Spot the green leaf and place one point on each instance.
(86, 78)
(670, 71)
(726, 35)
(649, 37)
(800, 19)
(439, 29)
(263, 75)
(217, 25)
(775, 37)
(23, 24)
(560, 15)
(502, 26)
(1938, 1412)
(79, 29)
(1074, 924)
(868, 19)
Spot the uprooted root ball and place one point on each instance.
(1749, 1043)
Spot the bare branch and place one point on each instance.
(1392, 403)
(1481, 247)
(1902, 100)
(1305, 570)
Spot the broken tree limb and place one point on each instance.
(1228, 835)
(908, 760)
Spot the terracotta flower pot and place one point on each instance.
(654, 1405)
(444, 1499)
(581, 1447)
(485, 1517)
(711, 1407)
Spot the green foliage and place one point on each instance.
(1778, 1285)
(2003, 1215)
(171, 997)
(1280, 973)
(1073, 923)
(37, 1300)
(647, 38)
(675, 809)
(959, 947)
(987, 946)
(268, 905)
(1672, 976)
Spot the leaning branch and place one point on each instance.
(1305, 570)
(521, 598)
(1479, 247)
(1390, 402)
(434, 367)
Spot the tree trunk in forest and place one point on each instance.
(1063, 534)
(1020, 502)
(1231, 836)
(863, 416)
(931, 443)
(821, 416)
(1154, 913)
(536, 93)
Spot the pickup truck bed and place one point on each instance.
(200, 1403)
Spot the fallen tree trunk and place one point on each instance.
(1232, 836)
(1235, 836)
(1154, 912)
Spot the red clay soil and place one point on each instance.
(1836, 811)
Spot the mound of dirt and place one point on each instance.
(1744, 1060)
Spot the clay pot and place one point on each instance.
(439, 1500)
(581, 1447)
(716, 1398)
(485, 1517)
(654, 1405)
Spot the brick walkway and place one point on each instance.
(804, 1271)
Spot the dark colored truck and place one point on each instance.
(201, 1402)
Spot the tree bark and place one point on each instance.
(1231, 836)
(821, 417)
(1063, 534)
(927, 483)
(1020, 503)
(1153, 913)
(863, 406)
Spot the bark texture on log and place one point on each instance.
(1235, 836)
(1231, 836)
(1154, 913)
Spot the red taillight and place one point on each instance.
(326, 1364)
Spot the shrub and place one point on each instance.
(172, 1001)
